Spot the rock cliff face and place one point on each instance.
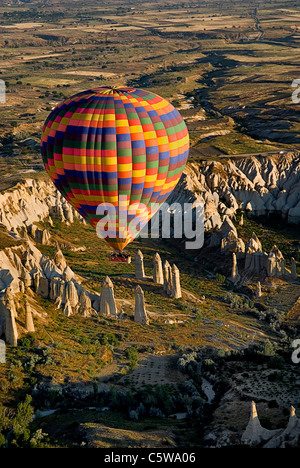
(24, 267)
(255, 435)
(32, 201)
(55, 282)
(259, 185)
(140, 313)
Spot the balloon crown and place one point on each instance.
(117, 89)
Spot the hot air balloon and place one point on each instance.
(120, 148)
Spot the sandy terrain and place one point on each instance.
(156, 370)
(90, 73)
(23, 26)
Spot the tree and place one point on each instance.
(268, 349)
(132, 354)
(14, 429)
(4, 424)
(2, 440)
(23, 418)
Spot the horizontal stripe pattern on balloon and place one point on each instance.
(109, 142)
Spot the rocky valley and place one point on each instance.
(39, 263)
(166, 347)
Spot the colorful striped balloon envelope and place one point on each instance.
(115, 154)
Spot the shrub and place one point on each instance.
(24, 343)
(109, 339)
(2, 440)
(37, 439)
(187, 361)
(20, 423)
(132, 354)
(268, 349)
(220, 278)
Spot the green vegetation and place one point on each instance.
(272, 232)
(229, 72)
(133, 356)
(15, 431)
(218, 63)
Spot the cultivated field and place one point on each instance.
(228, 67)
(233, 66)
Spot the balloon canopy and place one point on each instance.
(119, 148)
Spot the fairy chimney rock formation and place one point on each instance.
(275, 263)
(254, 244)
(258, 292)
(140, 314)
(176, 288)
(9, 302)
(232, 243)
(289, 437)
(68, 213)
(294, 423)
(158, 276)
(85, 305)
(107, 298)
(11, 332)
(30, 261)
(29, 325)
(71, 295)
(139, 265)
(170, 282)
(255, 259)
(68, 274)
(227, 227)
(235, 277)
(67, 310)
(57, 286)
(59, 259)
(59, 212)
(255, 434)
(42, 236)
(25, 278)
(167, 273)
